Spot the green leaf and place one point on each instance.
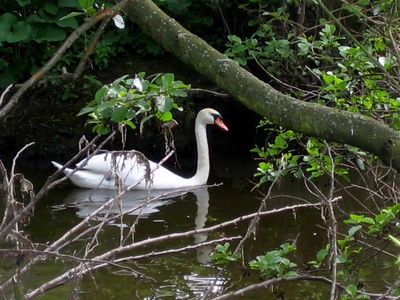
(178, 93)
(322, 254)
(368, 220)
(291, 273)
(351, 290)
(234, 38)
(85, 111)
(166, 116)
(51, 8)
(48, 33)
(86, 4)
(341, 258)
(23, 3)
(167, 80)
(69, 3)
(395, 240)
(119, 114)
(105, 105)
(72, 15)
(164, 103)
(19, 32)
(129, 123)
(100, 94)
(354, 229)
(13, 31)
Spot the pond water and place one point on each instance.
(189, 273)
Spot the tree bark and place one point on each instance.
(303, 117)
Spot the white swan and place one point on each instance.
(102, 170)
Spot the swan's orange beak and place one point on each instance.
(221, 124)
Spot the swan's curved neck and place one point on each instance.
(203, 161)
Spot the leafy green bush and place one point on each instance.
(30, 32)
(274, 263)
(280, 158)
(377, 225)
(325, 65)
(127, 98)
(223, 254)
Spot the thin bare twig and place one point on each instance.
(333, 227)
(113, 252)
(271, 282)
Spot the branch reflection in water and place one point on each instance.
(137, 203)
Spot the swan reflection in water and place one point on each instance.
(136, 203)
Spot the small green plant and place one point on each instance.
(127, 98)
(377, 225)
(278, 159)
(274, 263)
(223, 254)
(321, 255)
(351, 293)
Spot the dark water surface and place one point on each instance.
(189, 274)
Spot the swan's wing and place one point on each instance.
(116, 162)
(129, 166)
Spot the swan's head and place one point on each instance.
(211, 116)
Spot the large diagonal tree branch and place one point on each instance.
(303, 117)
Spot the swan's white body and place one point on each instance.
(104, 170)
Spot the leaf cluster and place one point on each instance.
(280, 157)
(272, 264)
(377, 225)
(127, 98)
(275, 263)
(30, 31)
(223, 254)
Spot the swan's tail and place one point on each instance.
(59, 166)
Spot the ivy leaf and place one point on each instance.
(12, 30)
(19, 32)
